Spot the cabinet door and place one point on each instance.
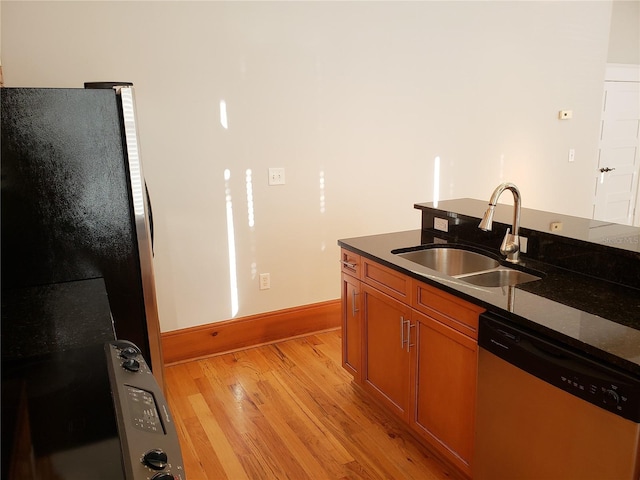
(444, 391)
(351, 326)
(386, 367)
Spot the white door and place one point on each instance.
(619, 157)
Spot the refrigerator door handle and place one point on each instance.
(150, 215)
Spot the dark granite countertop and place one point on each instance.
(597, 317)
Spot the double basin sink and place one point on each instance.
(466, 265)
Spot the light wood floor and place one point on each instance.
(288, 411)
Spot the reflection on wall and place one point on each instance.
(231, 243)
(436, 181)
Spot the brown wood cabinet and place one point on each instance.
(351, 314)
(386, 361)
(417, 353)
(386, 280)
(444, 372)
(351, 326)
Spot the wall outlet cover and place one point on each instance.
(276, 176)
(441, 224)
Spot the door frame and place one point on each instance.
(623, 72)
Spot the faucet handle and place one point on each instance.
(510, 246)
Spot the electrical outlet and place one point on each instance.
(276, 176)
(265, 281)
(441, 224)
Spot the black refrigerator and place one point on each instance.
(75, 209)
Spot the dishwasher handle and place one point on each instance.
(508, 342)
(532, 352)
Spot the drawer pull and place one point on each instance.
(401, 333)
(348, 264)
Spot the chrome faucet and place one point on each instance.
(511, 243)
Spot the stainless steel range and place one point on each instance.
(83, 405)
(94, 412)
(148, 437)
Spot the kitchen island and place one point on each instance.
(410, 332)
(573, 302)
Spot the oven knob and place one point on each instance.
(129, 352)
(611, 398)
(131, 364)
(156, 459)
(163, 476)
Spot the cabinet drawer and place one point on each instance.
(386, 280)
(448, 309)
(350, 262)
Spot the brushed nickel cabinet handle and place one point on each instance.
(348, 264)
(354, 310)
(409, 327)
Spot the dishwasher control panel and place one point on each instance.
(614, 394)
(599, 384)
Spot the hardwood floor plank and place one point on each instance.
(321, 434)
(330, 461)
(314, 366)
(224, 452)
(243, 414)
(289, 411)
(313, 469)
(199, 454)
(182, 385)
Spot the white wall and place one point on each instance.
(624, 39)
(354, 99)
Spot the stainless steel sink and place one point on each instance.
(501, 277)
(467, 266)
(451, 261)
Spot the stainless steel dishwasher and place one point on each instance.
(545, 412)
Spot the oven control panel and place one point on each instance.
(148, 436)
